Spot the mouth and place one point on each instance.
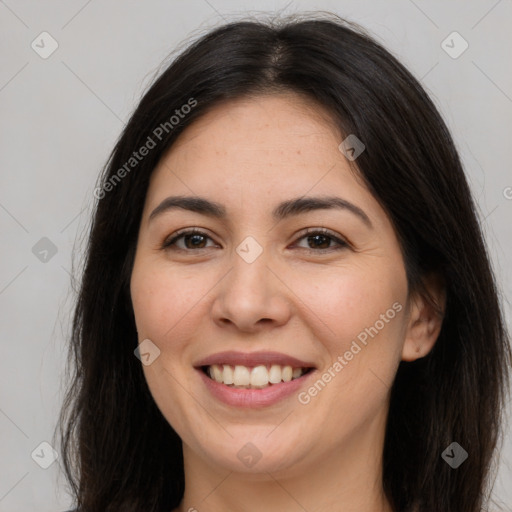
(255, 377)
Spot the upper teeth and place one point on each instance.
(257, 376)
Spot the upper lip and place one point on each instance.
(253, 359)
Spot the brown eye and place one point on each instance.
(319, 240)
(193, 239)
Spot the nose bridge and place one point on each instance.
(251, 292)
(250, 272)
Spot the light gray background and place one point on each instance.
(60, 117)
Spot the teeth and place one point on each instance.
(241, 376)
(227, 375)
(287, 373)
(275, 374)
(217, 373)
(257, 377)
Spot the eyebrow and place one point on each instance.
(283, 210)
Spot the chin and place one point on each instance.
(254, 451)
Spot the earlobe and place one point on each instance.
(425, 319)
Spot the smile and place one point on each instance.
(257, 377)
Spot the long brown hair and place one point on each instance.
(119, 452)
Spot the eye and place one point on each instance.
(193, 239)
(321, 238)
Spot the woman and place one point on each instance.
(287, 303)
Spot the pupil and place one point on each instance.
(320, 236)
(191, 237)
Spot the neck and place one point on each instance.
(347, 478)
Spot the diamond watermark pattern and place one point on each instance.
(44, 45)
(44, 250)
(454, 45)
(147, 352)
(44, 455)
(454, 455)
(249, 249)
(352, 147)
(249, 455)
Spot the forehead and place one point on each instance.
(262, 150)
(265, 123)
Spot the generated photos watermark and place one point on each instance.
(137, 156)
(305, 397)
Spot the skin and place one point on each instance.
(325, 455)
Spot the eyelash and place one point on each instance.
(342, 244)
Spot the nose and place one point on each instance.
(252, 296)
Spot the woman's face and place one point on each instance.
(257, 292)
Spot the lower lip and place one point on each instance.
(239, 397)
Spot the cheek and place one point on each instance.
(343, 303)
(161, 301)
(164, 313)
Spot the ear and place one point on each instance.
(425, 319)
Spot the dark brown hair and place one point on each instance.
(119, 452)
